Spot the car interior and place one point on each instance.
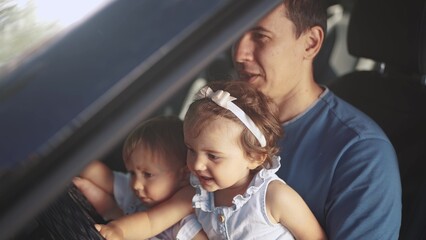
(394, 92)
(373, 56)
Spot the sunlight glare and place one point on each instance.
(64, 13)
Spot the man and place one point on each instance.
(334, 156)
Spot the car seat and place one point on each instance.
(393, 34)
(323, 70)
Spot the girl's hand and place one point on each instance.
(110, 231)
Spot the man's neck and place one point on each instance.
(297, 101)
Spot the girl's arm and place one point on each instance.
(201, 235)
(149, 223)
(285, 206)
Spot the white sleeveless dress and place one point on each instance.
(247, 217)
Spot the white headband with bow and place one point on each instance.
(224, 99)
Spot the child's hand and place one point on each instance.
(96, 195)
(102, 201)
(110, 231)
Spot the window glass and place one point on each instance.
(27, 25)
(82, 64)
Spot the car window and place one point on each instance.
(71, 101)
(28, 25)
(42, 97)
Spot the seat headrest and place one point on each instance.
(390, 31)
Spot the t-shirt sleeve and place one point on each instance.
(365, 199)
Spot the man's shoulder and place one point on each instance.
(344, 117)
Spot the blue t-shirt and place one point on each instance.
(345, 168)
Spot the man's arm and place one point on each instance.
(365, 196)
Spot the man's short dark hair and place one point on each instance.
(306, 14)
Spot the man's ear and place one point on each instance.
(314, 38)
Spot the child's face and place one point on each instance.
(154, 179)
(216, 157)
